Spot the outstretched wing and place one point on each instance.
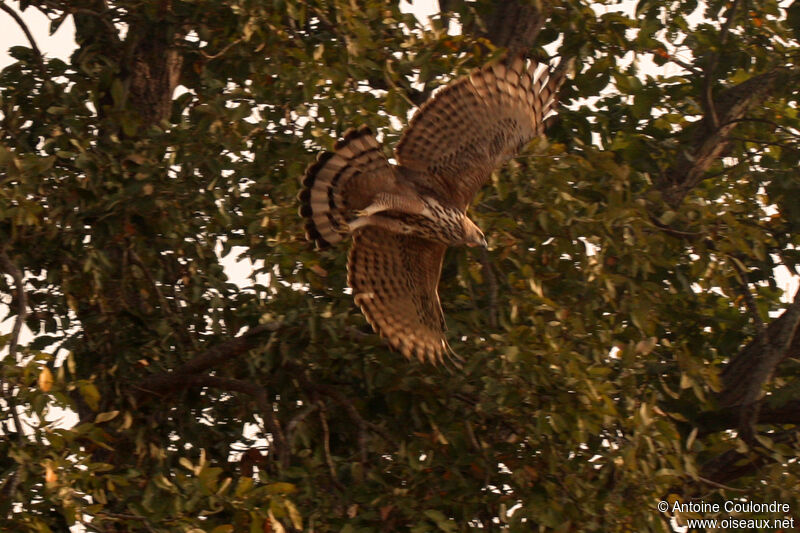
(394, 279)
(457, 138)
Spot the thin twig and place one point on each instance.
(719, 485)
(772, 123)
(683, 64)
(762, 142)
(14, 15)
(748, 299)
(326, 445)
(691, 235)
(230, 45)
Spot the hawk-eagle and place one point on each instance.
(404, 216)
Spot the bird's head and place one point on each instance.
(473, 236)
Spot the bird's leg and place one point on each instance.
(392, 224)
(405, 203)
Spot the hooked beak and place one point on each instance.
(482, 243)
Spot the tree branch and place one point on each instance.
(260, 395)
(326, 446)
(334, 394)
(223, 51)
(707, 143)
(21, 23)
(749, 301)
(170, 311)
(728, 417)
(752, 366)
(515, 25)
(732, 464)
(744, 377)
(182, 376)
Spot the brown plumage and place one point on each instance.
(403, 217)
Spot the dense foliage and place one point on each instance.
(625, 338)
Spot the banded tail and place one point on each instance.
(354, 170)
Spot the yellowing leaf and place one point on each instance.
(318, 270)
(244, 485)
(90, 395)
(127, 421)
(691, 438)
(294, 515)
(277, 527)
(281, 488)
(50, 475)
(45, 380)
(105, 417)
(224, 485)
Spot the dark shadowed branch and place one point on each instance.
(744, 377)
(513, 24)
(10, 268)
(729, 417)
(6, 388)
(261, 397)
(326, 445)
(750, 302)
(733, 464)
(708, 143)
(223, 352)
(748, 370)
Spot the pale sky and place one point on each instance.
(61, 43)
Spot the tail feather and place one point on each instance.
(357, 165)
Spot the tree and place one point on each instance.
(625, 338)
